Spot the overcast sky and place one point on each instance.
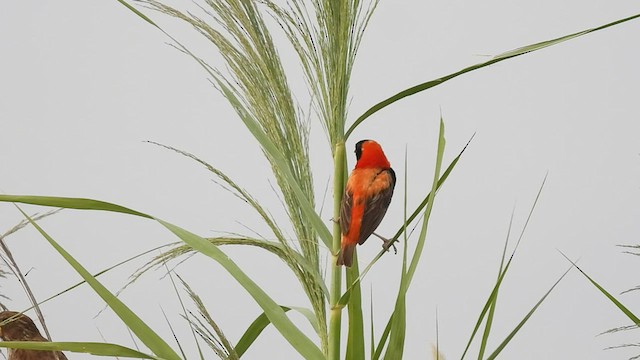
(84, 84)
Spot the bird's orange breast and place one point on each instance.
(363, 184)
(368, 182)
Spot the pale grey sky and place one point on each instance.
(83, 84)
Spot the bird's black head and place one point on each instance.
(359, 148)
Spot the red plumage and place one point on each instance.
(366, 198)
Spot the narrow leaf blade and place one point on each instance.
(93, 348)
(612, 298)
(261, 322)
(152, 340)
(525, 319)
(274, 312)
(498, 58)
(70, 203)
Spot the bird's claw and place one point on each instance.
(387, 243)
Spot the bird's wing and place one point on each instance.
(60, 356)
(345, 211)
(24, 354)
(376, 207)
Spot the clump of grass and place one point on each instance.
(326, 35)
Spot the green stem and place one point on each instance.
(335, 314)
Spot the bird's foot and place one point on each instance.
(387, 243)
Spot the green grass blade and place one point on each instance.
(274, 312)
(395, 348)
(398, 328)
(93, 348)
(427, 213)
(615, 301)
(441, 181)
(137, 12)
(355, 335)
(261, 322)
(524, 320)
(398, 320)
(492, 308)
(383, 339)
(173, 333)
(152, 340)
(277, 316)
(498, 58)
(70, 203)
(372, 334)
(98, 274)
(492, 298)
(491, 301)
(299, 262)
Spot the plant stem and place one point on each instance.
(335, 314)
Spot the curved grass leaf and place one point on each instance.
(494, 301)
(274, 312)
(498, 58)
(612, 298)
(383, 339)
(355, 334)
(277, 316)
(489, 306)
(93, 348)
(98, 274)
(152, 340)
(397, 333)
(372, 333)
(272, 247)
(509, 337)
(395, 348)
(71, 203)
(415, 260)
(135, 11)
(261, 322)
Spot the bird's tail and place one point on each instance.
(345, 257)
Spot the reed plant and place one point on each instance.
(251, 76)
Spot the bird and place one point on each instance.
(15, 326)
(366, 198)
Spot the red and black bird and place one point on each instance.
(366, 198)
(19, 327)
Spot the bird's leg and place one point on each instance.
(387, 243)
(337, 221)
